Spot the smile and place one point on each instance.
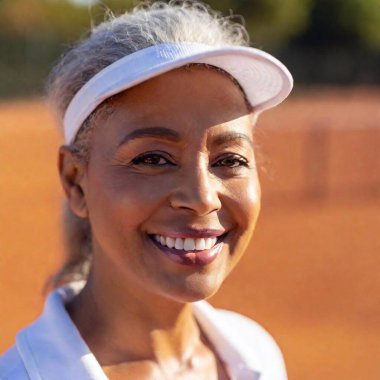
(189, 251)
(188, 244)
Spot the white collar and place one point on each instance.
(52, 345)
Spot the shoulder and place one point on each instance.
(255, 341)
(248, 328)
(12, 366)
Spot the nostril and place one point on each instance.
(198, 207)
(197, 211)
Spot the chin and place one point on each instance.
(194, 290)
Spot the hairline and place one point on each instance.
(81, 146)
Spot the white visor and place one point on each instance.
(264, 79)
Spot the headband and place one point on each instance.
(264, 79)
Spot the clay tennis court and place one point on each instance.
(310, 275)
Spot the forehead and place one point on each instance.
(188, 100)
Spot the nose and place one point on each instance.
(197, 191)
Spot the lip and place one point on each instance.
(193, 233)
(192, 258)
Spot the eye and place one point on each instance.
(232, 161)
(151, 159)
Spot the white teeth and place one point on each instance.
(187, 244)
(207, 244)
(170, 242)
(178, 243)
(200, 244)
(210, 242)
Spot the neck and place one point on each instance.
(120, 325)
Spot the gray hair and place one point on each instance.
(145, 25)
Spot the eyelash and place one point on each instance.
(140, 160)
(234, 157)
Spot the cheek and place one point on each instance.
(119, 204)
(245, 205)
(253, 198)
(246, 197)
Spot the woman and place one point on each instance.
(158, 108)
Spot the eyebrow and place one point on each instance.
(157, 132)
(229, 137)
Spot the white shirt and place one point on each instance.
(52, 349)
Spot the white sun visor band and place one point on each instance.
(264, 79)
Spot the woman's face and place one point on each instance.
(174, 165)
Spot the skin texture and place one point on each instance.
(135, 311)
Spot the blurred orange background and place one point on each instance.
(310, 275)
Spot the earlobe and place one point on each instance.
(77, 202)
(71, 172)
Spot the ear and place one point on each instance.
(71, 172)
